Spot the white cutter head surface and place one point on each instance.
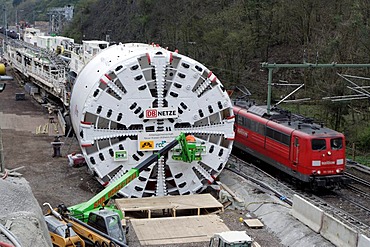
(131, 99)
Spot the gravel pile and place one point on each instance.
(20, 211)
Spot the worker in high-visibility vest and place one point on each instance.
(190, 138)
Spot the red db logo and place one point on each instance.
(151, 113)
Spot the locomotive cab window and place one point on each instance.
(318, 144)
(336, 143)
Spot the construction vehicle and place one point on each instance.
(62, 234)
(2, 86)
(93, 233)
(99, 224)
(231, 239)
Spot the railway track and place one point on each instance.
(355, 197)
(265, 181)
(359, 185)
(348, 205)
(360, 177)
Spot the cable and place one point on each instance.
(263, 185)
(10, 236)
(266, 202)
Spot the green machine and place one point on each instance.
(95, 214)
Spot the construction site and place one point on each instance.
(39, 175)
(33, 177)
(126, 145)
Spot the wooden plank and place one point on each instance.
(172, 203)
(179, 202)
(170, 230)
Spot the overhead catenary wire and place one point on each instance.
(362, 90)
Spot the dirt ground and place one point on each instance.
(52, 180)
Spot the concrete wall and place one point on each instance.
(307, 213)
(337, 232)
(329, 227)
(363, 241)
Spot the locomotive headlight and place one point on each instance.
(338, 170)
(319, 172)
(329, 153)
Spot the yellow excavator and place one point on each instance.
(61, 232)
(3, 77)
(100, 225)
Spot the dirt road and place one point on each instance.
(51, 179)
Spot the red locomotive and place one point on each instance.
(307, 151)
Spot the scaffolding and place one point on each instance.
(41, 66)
(58, 17)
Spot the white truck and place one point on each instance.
(232, 239)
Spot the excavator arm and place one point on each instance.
(188, 152)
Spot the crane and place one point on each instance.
(100, 224)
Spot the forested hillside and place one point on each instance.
(30, 10)
(233, 37)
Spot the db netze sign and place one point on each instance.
(158, 113)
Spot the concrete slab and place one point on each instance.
(307, 213)
(253, 223)
(338, 233)
(179, 230)
(274, 214)
(363, 241)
